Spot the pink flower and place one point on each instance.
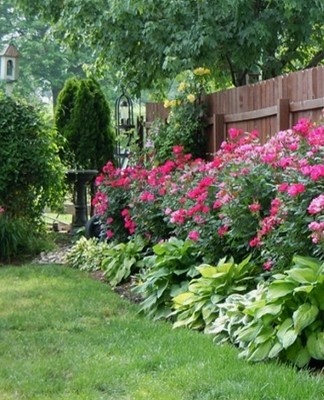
(269, 157)
(109, 234)
(109, 220)
(177, 149)
(100, 203)
(217, 204)
(193, 235)
(316, 205)
(178, 216)
(125, 212)
(255, 207)
(255, 242)
(316, 136)
(222, 230)
(268, 224)
(1, 210)
(233, 133)
(316, 172)
(147, 196)
(99, 180)
(285, 162)
(108, 168)
(295, 189)
(283, 187)
(267, 266)
(303, 125)
(317, 229)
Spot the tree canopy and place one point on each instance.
(147, 41)
(45, 63)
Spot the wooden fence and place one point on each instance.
(267, 106)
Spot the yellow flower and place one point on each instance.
(191, 98)
(182, 86)
(167, 104)
(201, 71)
(173, 103)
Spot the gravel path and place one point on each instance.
(53, 257)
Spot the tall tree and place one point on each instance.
(149, 40)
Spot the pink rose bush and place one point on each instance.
(266, 200)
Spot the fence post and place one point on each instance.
(283, 114)
(219, 129)
(215, 132)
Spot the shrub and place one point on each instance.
(31, 174)
(186, 118)
(18, 239)
(133, 194)
(264, 200)
(82, 116)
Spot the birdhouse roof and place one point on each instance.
(9, 51)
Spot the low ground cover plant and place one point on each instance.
(117, 261)
(197, 308)
(283, 318)
(165, 274)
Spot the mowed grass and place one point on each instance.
(64, 335)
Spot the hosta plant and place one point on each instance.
(86, 254)
(117, 261)
(284, 319)
(166, 273)
(123, 259)
(197, 308)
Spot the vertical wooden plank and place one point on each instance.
(283, 114)
(219, 130)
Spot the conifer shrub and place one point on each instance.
(83, 118)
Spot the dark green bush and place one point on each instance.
(19, 239)
(82, 116)
(31, 173)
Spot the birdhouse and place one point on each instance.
(9, 63)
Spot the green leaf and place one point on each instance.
(207, 271)
(279, 289)
(249, 333)
(273, 309)
(276, 349)
(261, 352)
(315, 345)
(304, 316)
(318, 296)
(305, 288)
(298, 354)
(302, 275)
(286, 334)
(184, 298)
(309, 262)
(264, 335)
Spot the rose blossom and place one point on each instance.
(193, 235)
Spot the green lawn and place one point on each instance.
(64, 335)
